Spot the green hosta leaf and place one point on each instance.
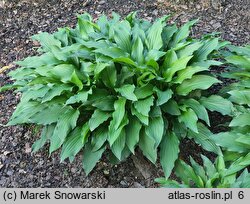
(137, 51)
(24, 111)
(154, 55)
(127, 91)
(182, 33)
(199, 170)
(217, 103)
(118, 120)
(241, 61)
(243, 181)
(143, 105)
(154, 40)
(199, 110)
(103, 24)
(119, 144)
(206, 63)
(241, 120)
(169, 152)
(45, 136)
(105, 104)
(38, 61)
(36, 92)
(205, 50)
(46, 40)
(240, 96)
(99, 137)
(118, 114)
(113, 52)
(59, 53)
(81, 96)
(66, 73)
(56, 91)
(65, 124)
(125, 60)
(133, 133)
(85, 132)
(228, 140)
(122, 36)
(163, 96)
(203, 138)
(62, 35)
(170, 58)
(171, 107)
(187, 174)
(240, 50)
(209, 167)
(168, 32)
(189, 118)
(189, 49)
(72, 145)
(196, 82)
(90, 157)
(109, 76)
(98, 118)
(7, 87)
(188, 73)
(147, 145)
(144, 119)
(176, 66)
(244, 139)
(155, 129)
(54, 112)
(85, 25)
(238, 165)
(144, 91)
(99, 67)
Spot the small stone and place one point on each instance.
(2, 3)
(1, 166)
(124, 183)
(27, 148)
(21, 171)
(73, 170)
(155, 12)
(22, 164)
(102, 2)
(2, 181)
(216, 25)
(198, 6)
(10, 172)
(106, 172)
(138, 185)
(5, 153)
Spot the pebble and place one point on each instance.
(217, 25)
(10, 172)
(102, 2)
(155, 12)
(2, 181)
(124, 183)
(138, 185)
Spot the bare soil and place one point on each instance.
(19, 19)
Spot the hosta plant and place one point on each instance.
(119, 84)
(210, 175)
(236, 142)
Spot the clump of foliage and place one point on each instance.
(210, 175)
(120, 84)
(236, 141)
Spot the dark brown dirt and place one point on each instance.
(19, 19)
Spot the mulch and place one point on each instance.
(20, 19)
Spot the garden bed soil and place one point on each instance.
(19, 19)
